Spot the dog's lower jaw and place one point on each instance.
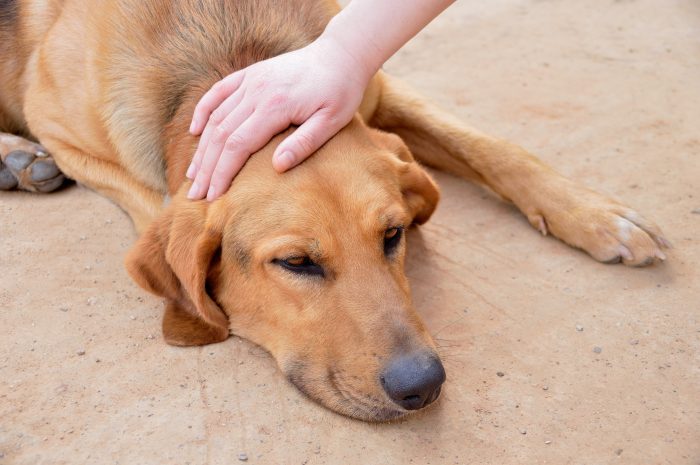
(329, 391)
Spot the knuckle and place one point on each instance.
(333, 120)
(220, 133)
(217, 116)
(235, 143)
(277, 99)
(305, 142)
(260, 86)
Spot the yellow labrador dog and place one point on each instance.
(308, 264)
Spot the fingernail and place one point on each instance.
(191, 171)
(285, 160)
(193, 125)
(194, 191)
(211, 193)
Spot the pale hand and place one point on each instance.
(318, 87)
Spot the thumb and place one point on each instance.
(304, 141)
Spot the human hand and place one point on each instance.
(318, 87)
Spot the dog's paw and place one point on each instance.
(609, 231)
(27, 166)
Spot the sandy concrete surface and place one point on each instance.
(606, 91)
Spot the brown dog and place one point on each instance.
(308, 264)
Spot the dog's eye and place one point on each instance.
(392, 238)
(300, 265)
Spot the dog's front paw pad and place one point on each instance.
(8, 181)
(33, 171)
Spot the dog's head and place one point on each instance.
(309, 265)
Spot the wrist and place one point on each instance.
(364, 59)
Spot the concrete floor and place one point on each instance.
(606, 91)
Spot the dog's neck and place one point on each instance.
(178, 144)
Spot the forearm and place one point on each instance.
(371, 31)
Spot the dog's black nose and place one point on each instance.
(413, 380)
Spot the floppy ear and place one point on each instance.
(172, 259)
(420, 192)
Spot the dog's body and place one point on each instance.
(292, 262)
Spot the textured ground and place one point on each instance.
(606, 91)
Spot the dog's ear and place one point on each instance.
(420, 192)
(172, 259)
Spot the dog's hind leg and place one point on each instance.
(28, 166)
(608, 230)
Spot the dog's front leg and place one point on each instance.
(608, 230)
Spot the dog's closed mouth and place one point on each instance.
(353, 396)
(339, 394)
(364, 406)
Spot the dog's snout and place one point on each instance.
(413, 380)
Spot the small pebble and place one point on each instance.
(500, 374)
(597, 350)
(243, 457)
(548, 442)
(695, 211)
(618, 452)
(634, 342)
(545, 388)
(132, 317)
(523, 431)
(92, 301)
(579, 328)
(81, 352)
(150, 336)
(63, 309)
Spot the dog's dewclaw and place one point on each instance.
(27, 166)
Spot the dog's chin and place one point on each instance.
(331, 392)
(375, 413)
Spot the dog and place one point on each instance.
(307, 264)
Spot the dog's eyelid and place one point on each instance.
(399, 227)
(296, 259)
(302, 265)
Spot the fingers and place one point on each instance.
(216, 119)
(196, 162)
(247, 140)
(212, 99)
(305, 140)
(212, 152)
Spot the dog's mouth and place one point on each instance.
(341, 394)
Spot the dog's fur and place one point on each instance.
(109, 90)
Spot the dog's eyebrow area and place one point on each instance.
(292, 245)
(393, 218)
